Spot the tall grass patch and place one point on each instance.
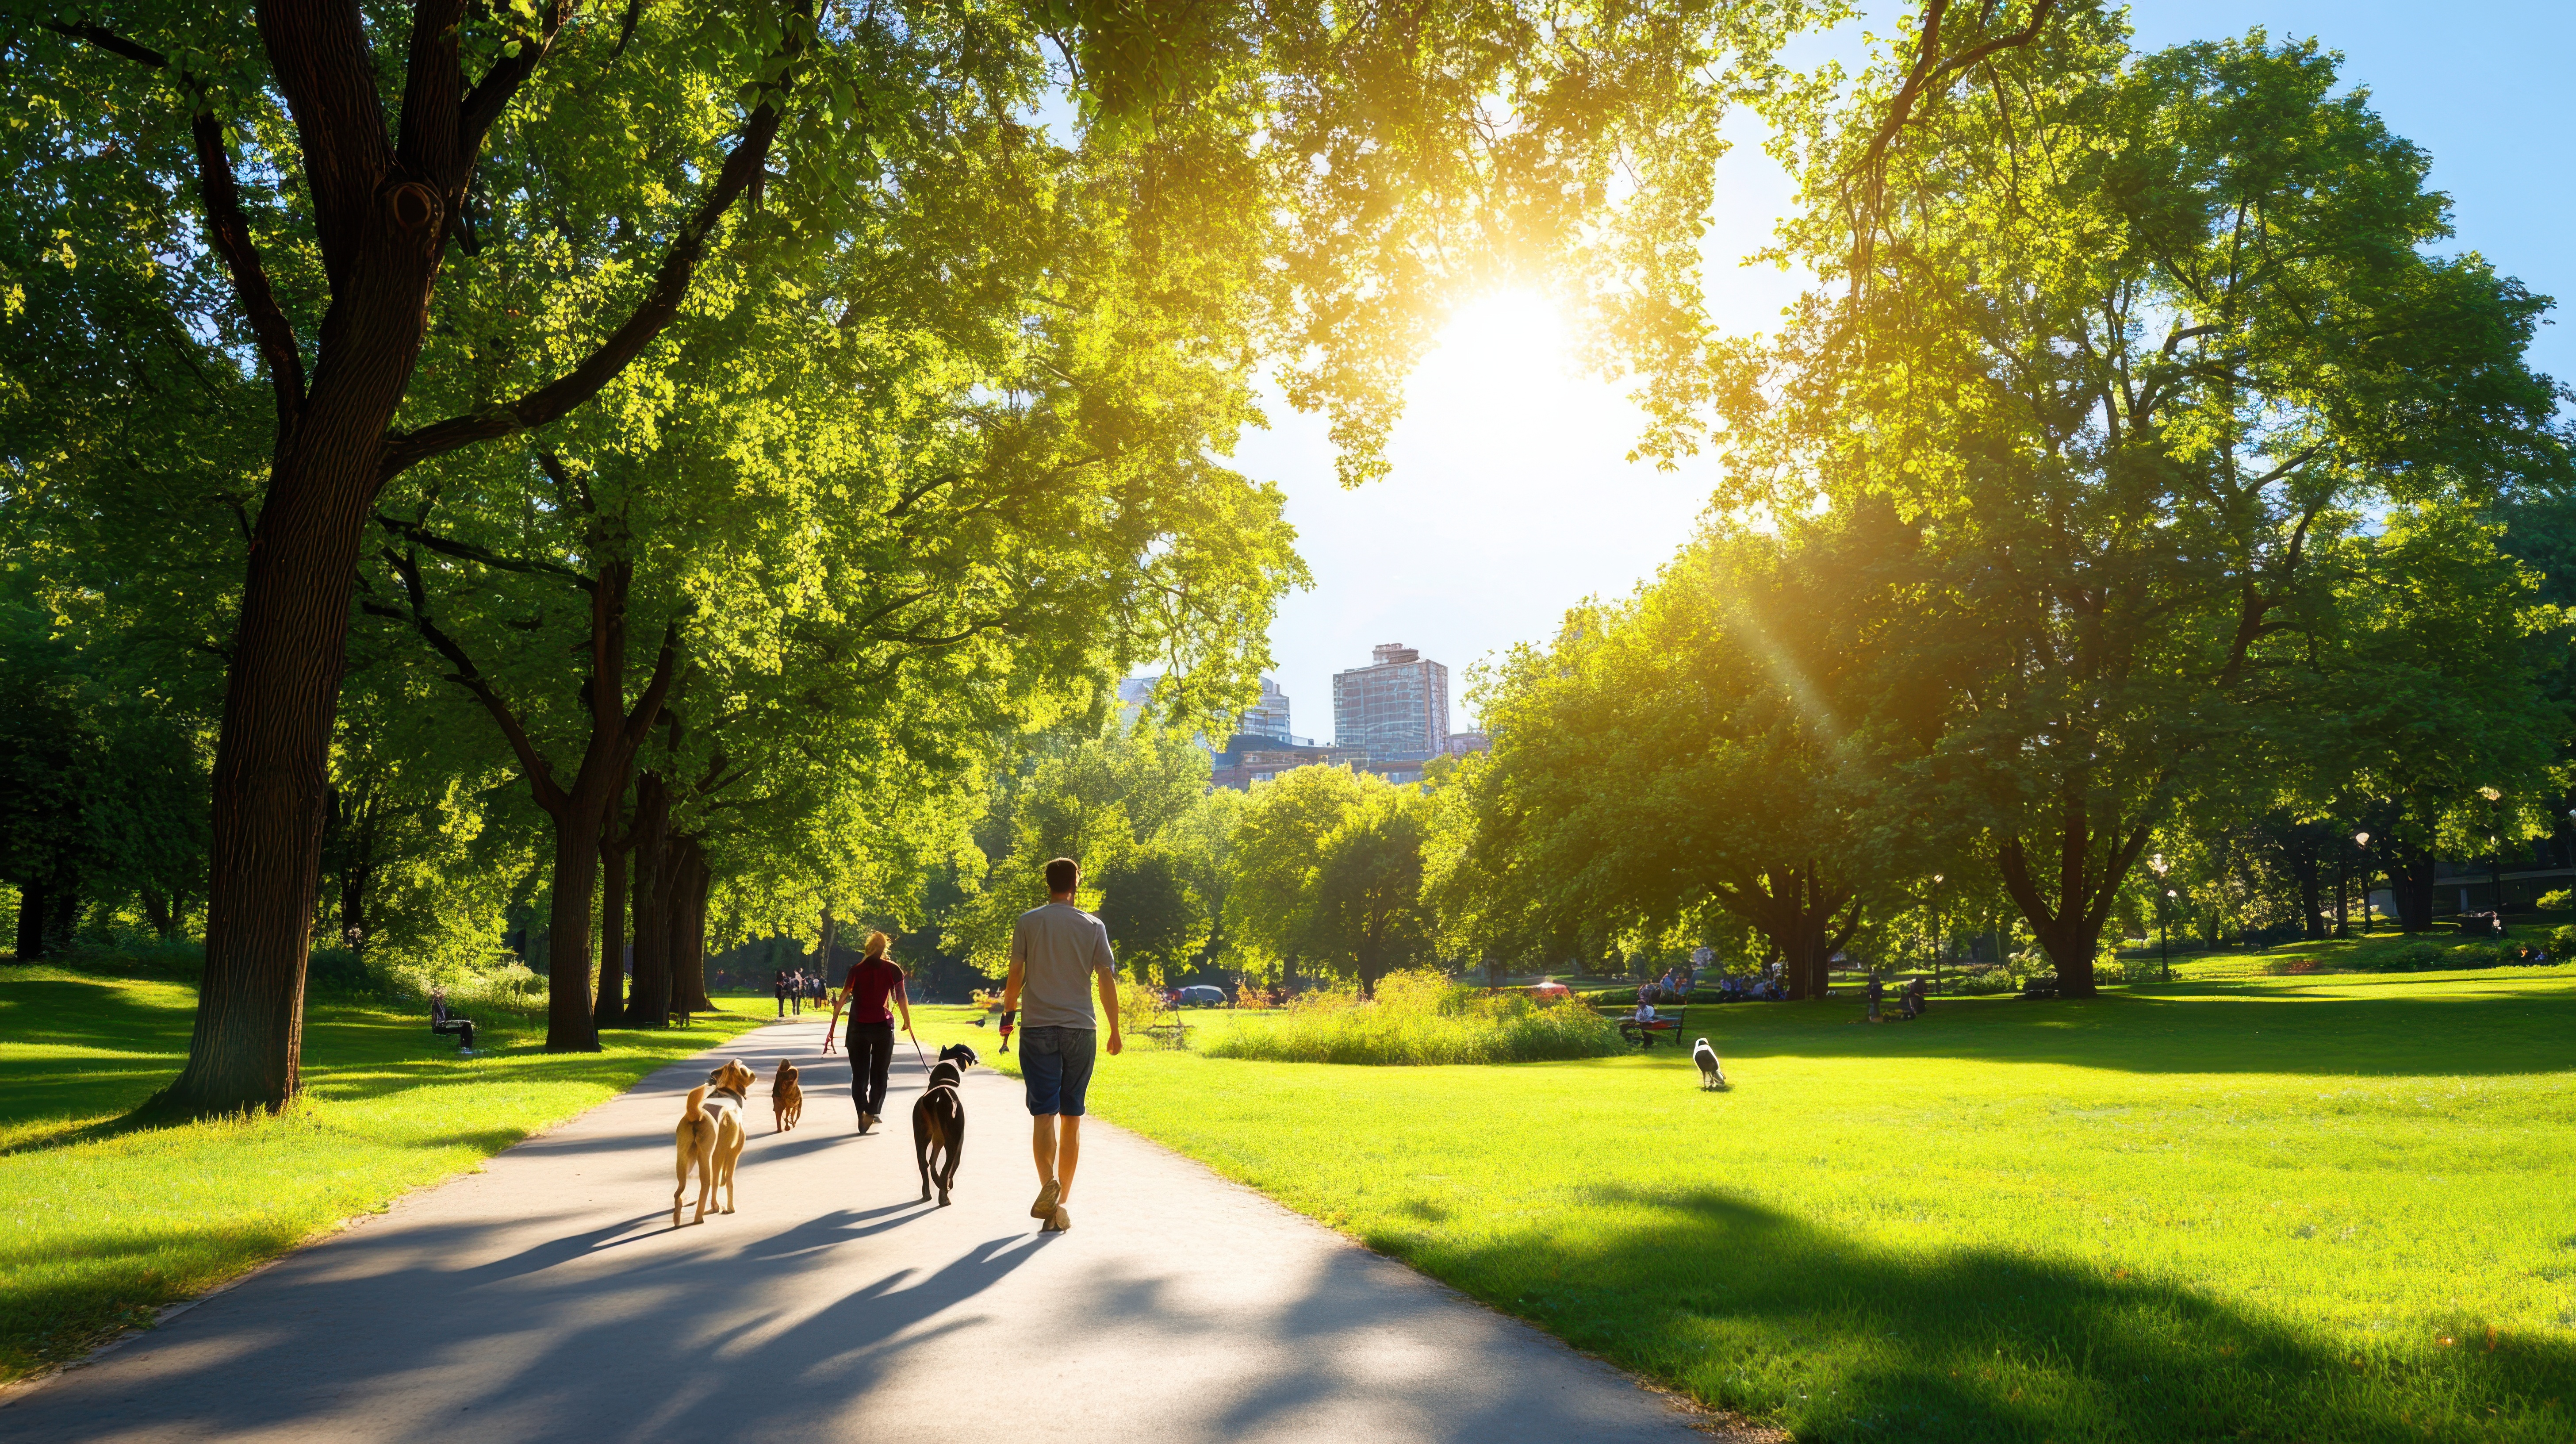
(1420, 1018)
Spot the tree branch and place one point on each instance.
(446, 546)
(111, 42)
(666, 672)
(324, 66)
(428, 133)
(228, 230)
(492, 94)
(550, 402)
(541, 778)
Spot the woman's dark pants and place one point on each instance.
(871, 1049)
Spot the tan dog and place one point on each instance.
(710, 1136)
(786, 1100)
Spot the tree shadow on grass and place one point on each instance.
(1752, 1309)
(2441, 1036)
(127, 1046)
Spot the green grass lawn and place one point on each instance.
(114, 1222)
(2285, 1209)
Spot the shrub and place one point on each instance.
(1141, 1009)
(1423, 1018)
(2556, 902)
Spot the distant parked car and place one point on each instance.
(1202, 996)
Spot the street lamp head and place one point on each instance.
(2169, 892)
(2490, 794)
(2157, 864)
(1936, 879)
(2361, 839)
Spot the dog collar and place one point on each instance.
(733, 1093)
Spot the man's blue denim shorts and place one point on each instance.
(1056, 1064)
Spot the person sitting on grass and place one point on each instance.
(1912, 999)
(441, 1021)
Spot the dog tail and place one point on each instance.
(697, 1101)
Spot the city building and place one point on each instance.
(1247, 760)
(1462, 743)
(1266, 718)
(1396, 708)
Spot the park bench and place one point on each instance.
(442, 1022)
(1667, 1024)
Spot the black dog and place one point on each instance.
(939, 1120)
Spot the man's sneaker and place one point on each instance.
(1045, 1207)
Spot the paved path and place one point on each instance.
(547, 1298)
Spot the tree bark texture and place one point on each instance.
(382, 197)
(611, 1010)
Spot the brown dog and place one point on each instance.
(939, 1121)
(711, 1135)
(786, 1100)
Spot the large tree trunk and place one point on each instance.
(689, 962)
(158, 912)
(688, 969)
(576, 875)
(611, 1011)
(2410, 885)
(1805, 915)
(2091, 864)
(649, 1005)
(2305, 868)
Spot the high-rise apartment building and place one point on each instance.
(1270, 717)
(1397, 706)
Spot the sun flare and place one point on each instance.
(1499, 348)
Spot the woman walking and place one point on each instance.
(874, 981)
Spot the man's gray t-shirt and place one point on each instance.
(1057, 947)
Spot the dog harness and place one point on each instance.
(733, 1093)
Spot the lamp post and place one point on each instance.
(2361, 840)
(1937, 938)
(2164, 929)
(2495, 851)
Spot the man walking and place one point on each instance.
(1059, 953)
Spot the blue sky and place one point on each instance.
(1510, 502)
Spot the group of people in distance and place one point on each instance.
(1910, 1000)
(797, 987)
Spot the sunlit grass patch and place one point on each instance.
(2289, 1209)
(110, 1223)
